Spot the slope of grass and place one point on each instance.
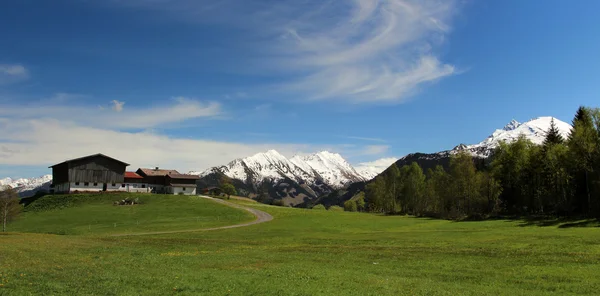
(304, 252)
(96, 214)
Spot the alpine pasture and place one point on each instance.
(58, 248)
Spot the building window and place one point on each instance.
(143, 185)
(86, 184)
(95, 184)
(183, 189)
(76, 183)
(123, 185)
(113, 185)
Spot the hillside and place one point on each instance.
(96, 214)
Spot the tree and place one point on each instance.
(350, 206)
(360, 202)
(9, 205)
(583, 148)
(436, 194)
(228, 189)
(509, 166)
(553, 135)
(375, 192)
(413, 188)
(464, 187)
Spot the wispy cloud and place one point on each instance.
(364, 139)
(12, 73)
(117, 106)
(175, 110)
(360, 51)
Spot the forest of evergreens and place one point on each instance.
(559, 177)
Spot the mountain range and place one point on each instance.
(295, 180)
(307, 178)
(28, 186)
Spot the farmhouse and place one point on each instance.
(134, 183)
(96, 172)
(168, 181)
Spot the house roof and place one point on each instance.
(132, 175)
(90, 156)
(182, 176)
(158, 172)
(182, 185)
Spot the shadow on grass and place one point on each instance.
(539, 221)
(561, 222)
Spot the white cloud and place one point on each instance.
(12, 73)
(173, 111)
(375, 149)
(383, 162)
(117, 106)
(48, 141)
(373, 168)
(359, 51)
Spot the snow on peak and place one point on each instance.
(332, 168)
(324, 166)
(535, 130)
(28, 186)
(513, 124)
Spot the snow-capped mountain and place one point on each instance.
(535, 130)
(293, 180)
(27, 187)
(269, 165)
(332, 168)
(322, 167)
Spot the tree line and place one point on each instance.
(559, 177)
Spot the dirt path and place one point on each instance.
(261, 217)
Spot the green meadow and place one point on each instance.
(300, 252)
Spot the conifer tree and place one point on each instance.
(553, 135)
(583, 146)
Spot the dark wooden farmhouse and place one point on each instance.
(96, 172)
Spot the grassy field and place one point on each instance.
(304, 252)
(95, 214)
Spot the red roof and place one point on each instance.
(133, 175)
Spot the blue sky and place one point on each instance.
(192, 84)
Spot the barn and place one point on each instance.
(93, 173)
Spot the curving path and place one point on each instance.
(261, 217)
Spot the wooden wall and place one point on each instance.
(96, 169)
(60, 173)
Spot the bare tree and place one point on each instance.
(9, 205)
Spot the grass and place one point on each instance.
(305, 252)
(95, 214)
